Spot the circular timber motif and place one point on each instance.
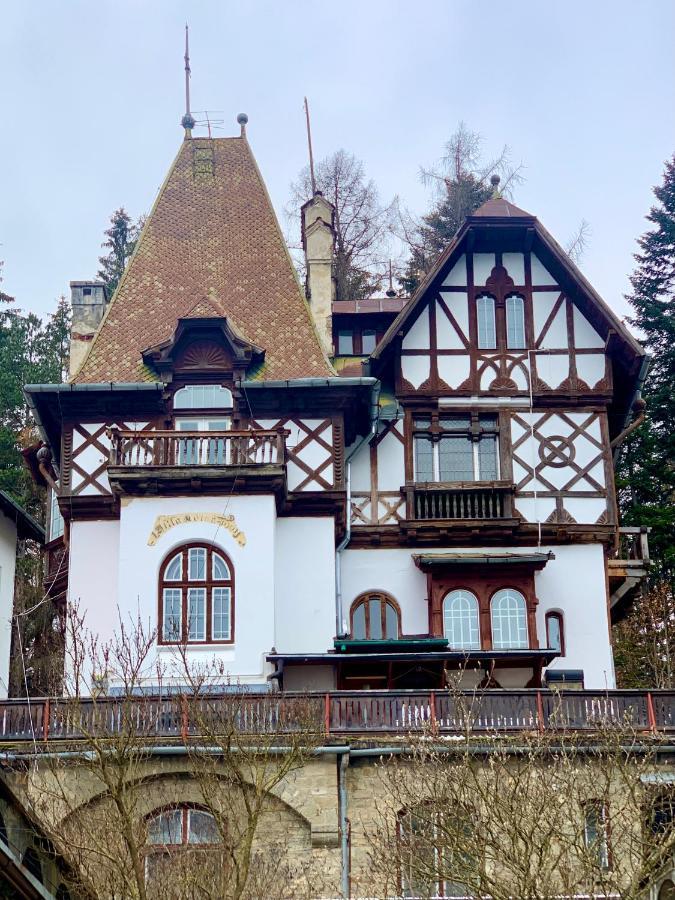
(556, 451)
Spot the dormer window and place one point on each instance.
(203, 396)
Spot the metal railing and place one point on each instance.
(162, 449)
(337, 713)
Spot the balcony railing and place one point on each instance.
(338, 713)
(178, 449)
(469, 500)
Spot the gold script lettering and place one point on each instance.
(164, 523)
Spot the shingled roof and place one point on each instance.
(211, 243)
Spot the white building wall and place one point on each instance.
(572, 583)
(7, 569)
(93, 575)
(304, 567)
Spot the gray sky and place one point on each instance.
(91, 93)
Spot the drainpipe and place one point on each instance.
(344, 823)
(374, 418)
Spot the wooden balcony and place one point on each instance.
(337, 714)
(173, 461)
(627, 568)
(487, 506)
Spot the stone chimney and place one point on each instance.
(318, 242)
(88, 300)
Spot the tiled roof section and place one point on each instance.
(499, 208)
(211, 246)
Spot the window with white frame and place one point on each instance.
(515, 322)
(203, 396)
(196, 596)
(435, 852)
(596, 832)
(485, 322)
(452, 448)
(508, 611)
(55, 518)
(460, 620)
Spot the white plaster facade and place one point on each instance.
(7, 569)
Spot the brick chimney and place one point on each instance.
(88, 300)
(318, 242)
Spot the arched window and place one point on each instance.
(375, 617)
(555, 633)
(435, 852)
(3, 831)
(515, 322)
(460, 620)
(509, 620)
(203, 396)
(667, 890)
(32, 862)
(196, 596)
(485, 319)
(175, 830)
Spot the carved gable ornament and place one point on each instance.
(206, 345)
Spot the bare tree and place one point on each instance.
(577, 244)
(361, 222)
(530, 815)
(644, 642)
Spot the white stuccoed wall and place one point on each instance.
(572, 583)
(7, 568)
(305, 584)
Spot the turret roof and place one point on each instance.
(212, 245)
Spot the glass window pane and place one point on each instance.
(485, 316)
(345, 343)
(197, 564)
(368, 341)
(487, 458)
(422, 422)
(455, 423)
(172, 614)
(509, 621)
(460, 621)
(197, 614)
(424, 459)
(203, 396)
(554, 632)
(166, 828)
(221, 614)
(596, 833)
(174, 569)
(515, 322)
(202, 828)
(455, 459)
(488, 422)
(359, 623)
(55, 517)
(391, 622)
(221, 570)
(375, 612)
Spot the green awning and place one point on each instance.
(391, 645)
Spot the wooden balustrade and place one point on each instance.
(474, 500)
(162, 449)
(337, 713)
(633, 544)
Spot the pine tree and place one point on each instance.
(121, 239)
(646, 475)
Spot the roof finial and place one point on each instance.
(187, 121)
(391, 292)
(242, 118)
(311, 155)
(494, 181)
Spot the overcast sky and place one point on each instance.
(91, 94)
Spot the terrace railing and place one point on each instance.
(338, 713)
(164, 449)
(471, 500)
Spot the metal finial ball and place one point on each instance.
(494, 180)
(242, 118)
(187, 121)
(44, 455)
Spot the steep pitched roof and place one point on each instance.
(211, 246)
(499, 208)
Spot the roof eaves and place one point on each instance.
(26, 525)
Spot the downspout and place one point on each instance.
(638, 405)
(344, 824)
(374, 418)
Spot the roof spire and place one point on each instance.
(187, 121)
(494, 181)
(391, 292)
(309, 143)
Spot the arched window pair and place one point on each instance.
(487, 325)
(508, 615)
(196, 596)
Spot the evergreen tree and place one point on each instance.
(646, 475)
(120, 240)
